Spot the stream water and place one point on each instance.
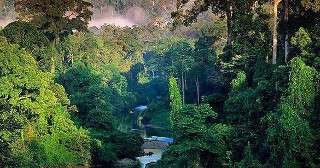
(144, 160)
(132, 122)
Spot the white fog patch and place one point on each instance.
(134, 16)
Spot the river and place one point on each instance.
(133, 123)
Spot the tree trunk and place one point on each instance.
(183, 88)
(275, 31)
(72, 60)
(180, 83)
(229, 24)
(185, 81)
(53, 59)
(270, 21)
(198, 90)
(286, 40)
(53, 66)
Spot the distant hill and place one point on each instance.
(119, 12)
(7, 13)
(130, 12)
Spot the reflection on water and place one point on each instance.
(132, 122)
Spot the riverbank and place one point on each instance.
(154, 127)
(154, 144)
(127, 163)
(153, 148)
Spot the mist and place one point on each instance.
(133, 16)
(5, 22)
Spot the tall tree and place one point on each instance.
(175, 98)
(57, 19)
(297, 110)
(286, 20)
(227, 9)
(219, 7)
(179, 60)
(28, 37)
(36, 128)
(199, 140)
(275, 31)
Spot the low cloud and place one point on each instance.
(133, 16)
(118, 21)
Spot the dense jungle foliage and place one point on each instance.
(235, 83)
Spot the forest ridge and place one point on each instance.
(234, 83)
(119, 12)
